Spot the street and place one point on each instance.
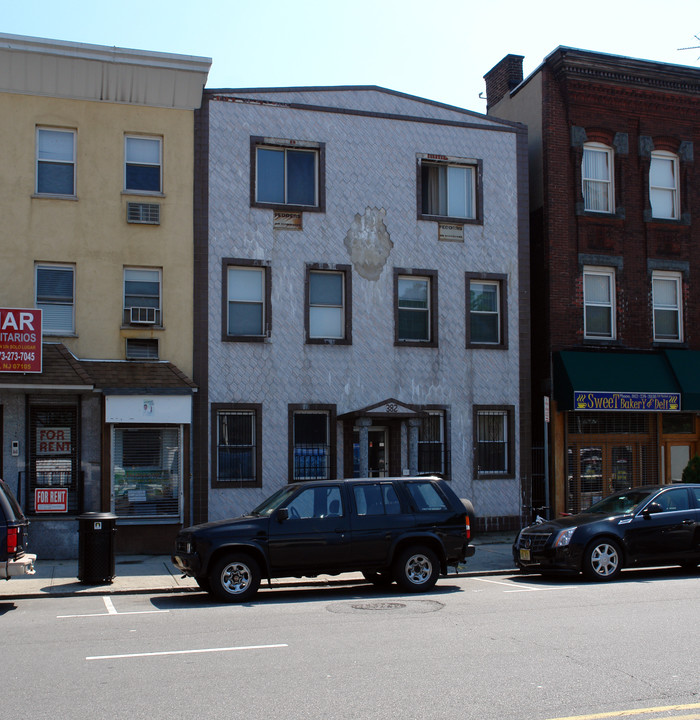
(499, 646)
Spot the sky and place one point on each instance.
(435, 49)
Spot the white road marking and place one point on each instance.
(186, 652)
(524, 588)
(111, 610)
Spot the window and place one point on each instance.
(486, 301)
(328, 305)
(663, 185)
(141, 349)
(416, 308)
(287, 174)
(597, 176)
(142, 166)
(376, 499)
(426, 496)
(55, 162)
(431, 444)
(142, 297)
(312, 439)
(316, 503)
(666, 292)
(448, 187)
(494, 441)
(236, 445)
(246, 314)
(599, 303)
(146, 471)
(55, 296)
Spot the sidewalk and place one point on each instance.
(156, 574)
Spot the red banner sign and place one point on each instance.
(20, 340)
(51, 500)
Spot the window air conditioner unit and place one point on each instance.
(143, 316)
(144, 213)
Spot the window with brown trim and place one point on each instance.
(449, 189)
(236, 445)
(494, 441)
(415, 308)
(328, 304)
(486, 305)
(312, 442)
(246, 314)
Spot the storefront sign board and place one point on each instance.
(20, 340)
(627, 401)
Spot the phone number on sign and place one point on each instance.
(16, 356)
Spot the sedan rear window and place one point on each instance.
(426, 497)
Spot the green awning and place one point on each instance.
(686, 367)
(642, 382)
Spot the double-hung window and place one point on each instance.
(143, 164)
(494, 441)
(486, 302)
(327, 304)
(416, 308)
(287, 174)
(599, 303)
(431, 443)
(667, 293)
(55, 162)
(142, 297)
(55, 296)
(448, 188)
(236, 444)
(312, 439)
(663, 185)
(597, 177)
(247, 300)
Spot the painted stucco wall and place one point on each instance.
(91, 231)
(370, 167)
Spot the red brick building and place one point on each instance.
(615, 267)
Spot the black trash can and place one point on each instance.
(96, 547)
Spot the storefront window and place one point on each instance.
(146, 471)
(53, 460)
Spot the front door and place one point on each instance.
(378, 452)
(316, 534)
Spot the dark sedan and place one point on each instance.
(644, 526)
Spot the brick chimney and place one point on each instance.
(502, 78)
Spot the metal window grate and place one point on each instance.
(143, 213)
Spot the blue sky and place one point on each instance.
(437, 49)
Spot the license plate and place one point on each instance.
(524, 554)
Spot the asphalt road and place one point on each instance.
(477, 648)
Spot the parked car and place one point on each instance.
(407, 530)
(14, 560)
(639, 527)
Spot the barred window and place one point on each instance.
(236, 445)
(494, 441)
(431, 444)
(311, 446)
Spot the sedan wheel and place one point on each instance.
(602, 560)
(417, 569)
(235, 578)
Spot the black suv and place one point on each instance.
(14, 560)
(403, 529)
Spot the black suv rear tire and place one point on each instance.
(416, 569)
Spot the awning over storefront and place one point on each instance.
(612, 381)
(686, 367)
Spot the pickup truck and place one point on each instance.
(14, 560)
(407, 529)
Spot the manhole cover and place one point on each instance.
(378, 606)
(406, 607)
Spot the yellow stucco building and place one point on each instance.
(97, 233)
